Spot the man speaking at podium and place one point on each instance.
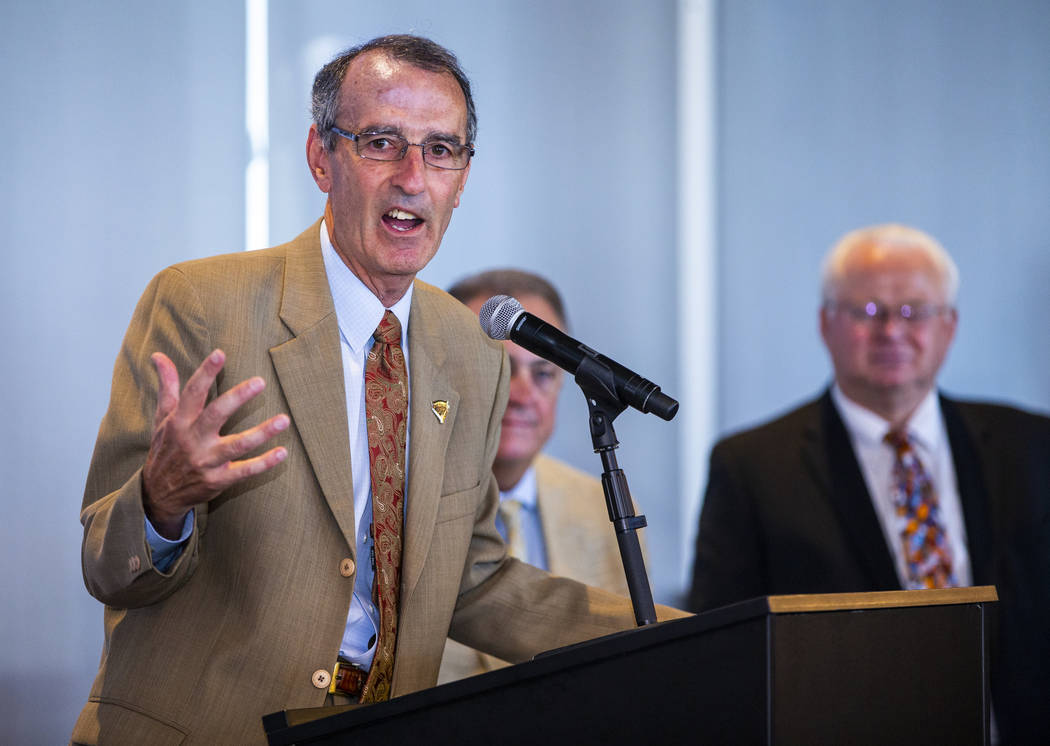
(303, 517)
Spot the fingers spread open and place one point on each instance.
(218, 411)
(168, 389)
(231, 447)
(197, 387)
(189, 461)
(238, 470)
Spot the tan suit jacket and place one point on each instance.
(581, 544)
(256, 603)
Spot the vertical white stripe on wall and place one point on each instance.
(696, 259)
(257, 125)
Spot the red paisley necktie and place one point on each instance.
(386, 411)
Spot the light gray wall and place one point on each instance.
(123, 151)
(834, 115)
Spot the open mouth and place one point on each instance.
(401, 220)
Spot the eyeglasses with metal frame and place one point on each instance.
(387, 146)
(872, 311)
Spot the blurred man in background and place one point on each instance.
(552, 515)
(883, 483)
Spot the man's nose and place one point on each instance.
(890, 324)
(521, 386)
(411, 170)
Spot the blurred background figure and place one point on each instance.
(882, 482)
(552, 515)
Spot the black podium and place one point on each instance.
(897, 667)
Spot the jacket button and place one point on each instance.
(346, 567)
(321, 678)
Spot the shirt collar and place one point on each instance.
(925, 424)
(524, 491)
(863, 424)
(357, 308)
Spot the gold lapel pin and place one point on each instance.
(440, 410)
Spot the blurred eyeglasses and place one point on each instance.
(872, 311)
(544, 375)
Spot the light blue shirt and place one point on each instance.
(526, 493)
(165, 551)
(358, 312)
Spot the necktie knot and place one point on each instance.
(510, 512)
(510, 507)
(389, 330)
(899, 440)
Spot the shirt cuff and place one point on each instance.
(165, 551)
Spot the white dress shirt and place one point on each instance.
(876, 458)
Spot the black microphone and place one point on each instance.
(502, 317)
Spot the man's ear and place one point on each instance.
(462, 185)
(953, 323)
(318, 158)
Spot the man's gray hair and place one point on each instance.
(889, 235)
(415, 50)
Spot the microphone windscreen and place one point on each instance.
(497, 315)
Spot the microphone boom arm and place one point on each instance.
(609, 389)
(595, 379)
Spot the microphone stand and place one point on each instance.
(598, 384)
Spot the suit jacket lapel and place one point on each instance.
(553, 520)
(849, 495)
(310, 370)
(973, 492)
(428, 439)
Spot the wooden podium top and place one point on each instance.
(804, 602)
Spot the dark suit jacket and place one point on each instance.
(787, 511)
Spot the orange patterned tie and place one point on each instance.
(386, 411)
(927, 554)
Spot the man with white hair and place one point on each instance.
(882, 482)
